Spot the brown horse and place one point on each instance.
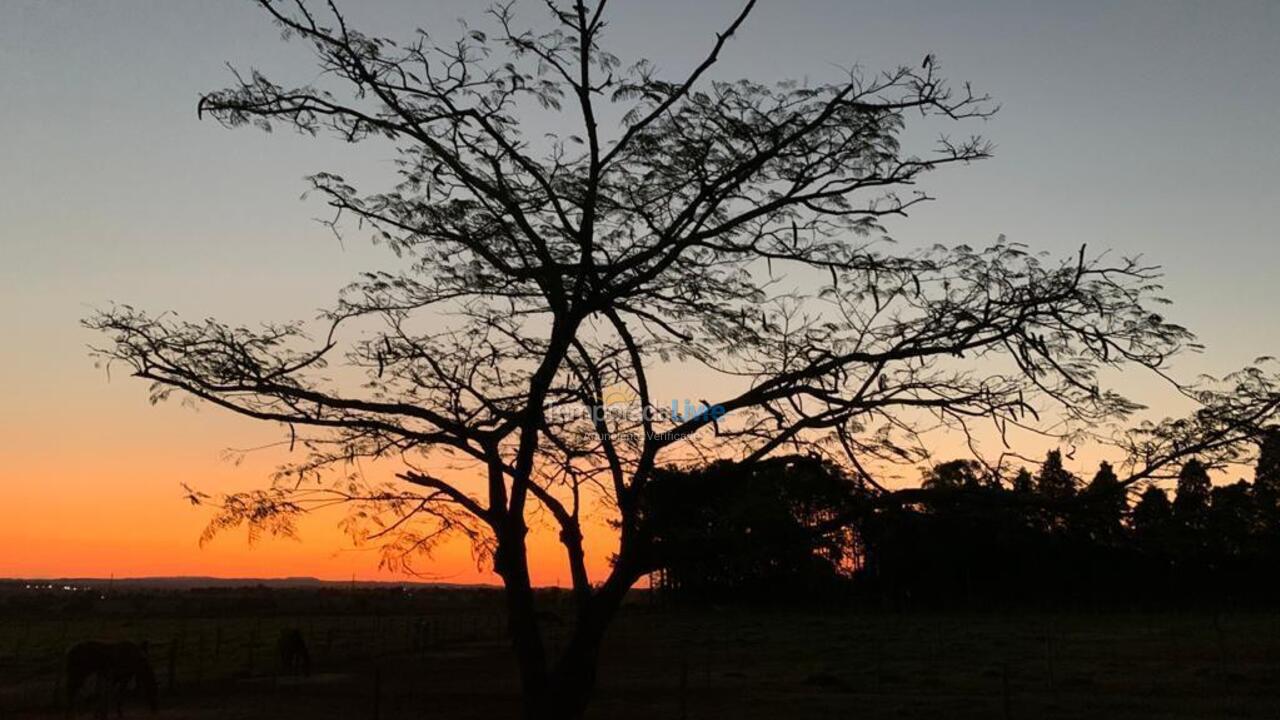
(115, 666)
(294, 657)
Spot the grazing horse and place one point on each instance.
(115, 666)
(294, 658)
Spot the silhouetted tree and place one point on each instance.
(1266, 482)
(1190, 516)
(540, 270)
(957, 540)
(1191, 498)
(955, 474)
(1023, 482)
(1105, 504)
(768, 531)
(1267, 472)
(1054, 481)
(1231, 522)
(1232, 415)
(1266, 497)
(1055, 490)
(1152, 518)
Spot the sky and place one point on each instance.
(1146, 127)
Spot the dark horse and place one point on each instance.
(294, 658)
(116, 666)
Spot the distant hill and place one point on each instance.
(192, 582)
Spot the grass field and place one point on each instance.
(449, 660)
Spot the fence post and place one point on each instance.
(199, 678)
(1004, 690)
(57, 688)
(877, 649)
(684, 681)
(253, 646)
(1048, 653)
(20, 643)
(706, 669)
(172, 664)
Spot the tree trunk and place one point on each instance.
(511, 563)
(563, 692)
(568, 687)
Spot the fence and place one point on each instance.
(192, 653)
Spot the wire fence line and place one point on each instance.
(191, 653)
(687, 663)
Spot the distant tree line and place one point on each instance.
(799, 527)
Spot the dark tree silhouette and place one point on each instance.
(774, 530)
(1054, 481)
(1105, 505)
(1231, 523)
(956, 542)
(1023, 482)
(955, 474)
(541, 272)
(1232, 415)
(1056, 487)
(1266, 479)
(1209, 545)
(1191, 498)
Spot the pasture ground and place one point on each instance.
(450, 661)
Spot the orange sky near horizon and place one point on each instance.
(108, 500)
(77, 501)
(99, 526)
